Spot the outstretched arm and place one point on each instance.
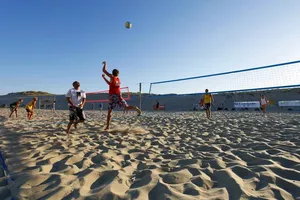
(105, 79)
(105, 71)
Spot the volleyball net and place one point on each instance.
(283, 75)
(102, 96)
(46, 102)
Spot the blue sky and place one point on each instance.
(46, 45)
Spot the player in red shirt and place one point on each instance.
(115, 95)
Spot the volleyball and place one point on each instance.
(128, 25)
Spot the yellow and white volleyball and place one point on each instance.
(128, 25)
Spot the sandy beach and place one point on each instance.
(157, 156)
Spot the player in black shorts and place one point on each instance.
(76, 99)
(14, 107)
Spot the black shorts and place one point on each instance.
(12, 108)
(28, 110)
(207, 106)
(76, 114)
(116, 100)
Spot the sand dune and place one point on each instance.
(178, 155)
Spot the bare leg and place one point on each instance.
(11, 113)
(108, 119)
(30, 115)
(75, 123)
(69, 126)
(265, 110)
(16, 113)
(133, 108)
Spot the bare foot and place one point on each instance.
(75, 125)
(107, 128)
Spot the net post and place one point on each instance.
(140, 95)
(150, 88)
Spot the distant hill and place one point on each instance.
(30, 93)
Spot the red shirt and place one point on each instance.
(201, 102)
(114, 86)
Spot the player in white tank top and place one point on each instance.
(263, 103)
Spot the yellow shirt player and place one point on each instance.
(208, 101)
(30, 107)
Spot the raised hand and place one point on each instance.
(104, 65)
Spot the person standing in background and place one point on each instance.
(53, 106)
(264, 103)
(208, 102)
(157, 105)
(101, 107)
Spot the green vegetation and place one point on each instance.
(30, 93)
